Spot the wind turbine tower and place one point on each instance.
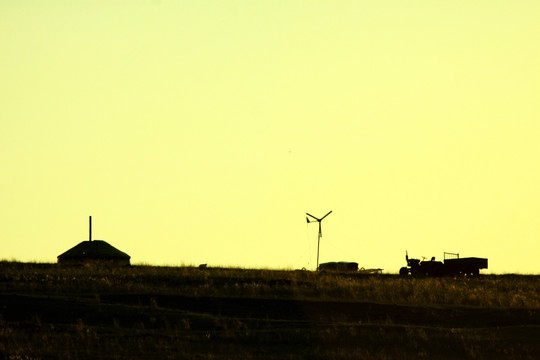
(320, 231)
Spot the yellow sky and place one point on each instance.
(203, 131)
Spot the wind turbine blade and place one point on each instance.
(326, 214)
(307, 219)
(313, 217)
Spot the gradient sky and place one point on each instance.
(203, 131)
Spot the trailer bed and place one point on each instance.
(470, 265)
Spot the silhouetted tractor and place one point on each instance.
(453, 265)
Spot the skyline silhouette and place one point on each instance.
(202, 132)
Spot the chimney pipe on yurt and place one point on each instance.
(90, 227)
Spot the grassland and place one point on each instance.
(48, 312)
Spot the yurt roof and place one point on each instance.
(95, 249)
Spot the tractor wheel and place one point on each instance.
(403, 271)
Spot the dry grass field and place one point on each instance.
(145, 312)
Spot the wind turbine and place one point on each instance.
(320, 232)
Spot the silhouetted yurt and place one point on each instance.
(94, 251)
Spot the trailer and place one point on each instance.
(339, 266)
(464, 266)
(452, 265)
(346, 267)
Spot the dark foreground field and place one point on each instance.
(147, 312)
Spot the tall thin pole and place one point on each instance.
(319, 244)
(90, 227)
